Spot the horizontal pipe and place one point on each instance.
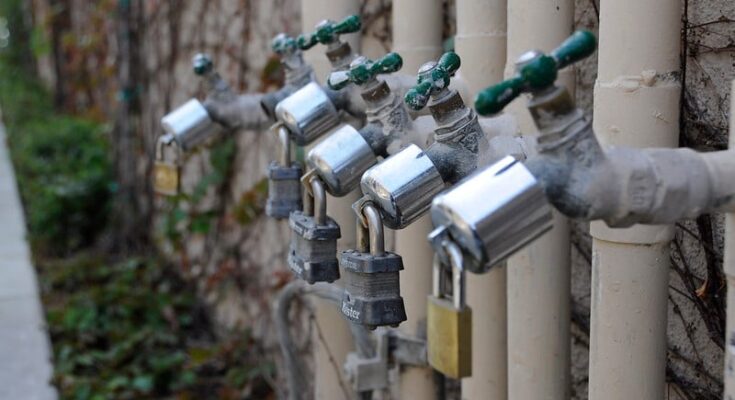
(625, 186)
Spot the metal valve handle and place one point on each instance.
(284, 45)
(202, 64)
(433, 77)
(535, 71)
(327, 32)
(363, 70)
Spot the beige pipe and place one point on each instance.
(417, 35)
(333, 341)
(539, 276)
(729, 266)
(636, 104)
(417, 31)
(481, 43)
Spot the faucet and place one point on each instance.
(511, 200)
(341, 159)
(458, 141)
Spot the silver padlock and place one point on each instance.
(372, 295)
(308, 113)
(402, 186)
(312, 254)
(190, 124)
(284, 180)
(340, 160)
(492, 214)
(166, 173)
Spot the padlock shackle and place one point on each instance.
(166, 140)
(456, 264)
(459, 275)
(320, 201)
(285, 140)
(375, 228)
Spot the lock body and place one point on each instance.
(372, 290)
(403, 186)
(284, 190)
(492, 214)
(341, 160)
(449, 337)
(189, 124)
(307, 113)
(312, 254)
(166, 178)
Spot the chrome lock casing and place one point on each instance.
(402, 186)
(341, 159)
(190, 124)
(492, 214)
(308, 113)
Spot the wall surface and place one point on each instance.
(219, 234)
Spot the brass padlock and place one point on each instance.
(166, 174)
(449, 320)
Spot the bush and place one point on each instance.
(61, 163)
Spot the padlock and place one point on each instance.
(372, 295)
(166, 174)
(449, 320)
(312, 254)
(284, 180)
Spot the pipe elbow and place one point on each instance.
(584, 192)
(240, 112)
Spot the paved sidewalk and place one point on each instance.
(25, 351)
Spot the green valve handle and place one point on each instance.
(535, 71)
(327, 32)
(202, 64)
(433, 78)
(284, 45)
(363, 70)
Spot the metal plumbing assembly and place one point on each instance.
(405, 196)
(401, 187)
(622, 186)
(191, 124)
(338, 162)
(306, 115)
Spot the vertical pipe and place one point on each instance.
(417, 36)
(729, 266)
(481, 43)
(636, 104)
(333, 341)
(539, 276)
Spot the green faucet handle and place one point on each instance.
(535, 71)
(284, 45)
(363, 70)
(327, 32)
(202, 64)
(433, 77)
